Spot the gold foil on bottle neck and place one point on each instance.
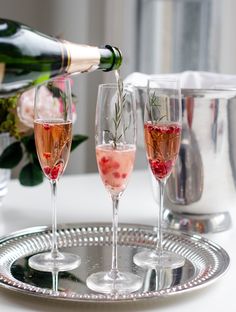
(82, 58)
(2, 71)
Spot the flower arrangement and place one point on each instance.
(16, 118)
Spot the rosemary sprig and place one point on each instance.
(154, 103)
(118, 114)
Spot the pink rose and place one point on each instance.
(25, 107)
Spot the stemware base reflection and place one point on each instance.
(154, 260)
(121, 283)
(61, 262)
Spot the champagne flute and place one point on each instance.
(53, 136)
(115, 152)
(162, 132)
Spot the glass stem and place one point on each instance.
(55, 281)
(159, 245)
(114, 265)
(54, 250)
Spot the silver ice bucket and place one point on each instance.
(201, 190)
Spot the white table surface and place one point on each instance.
(82, 198)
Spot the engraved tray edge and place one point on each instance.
(117, 298)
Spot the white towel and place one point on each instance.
(188, 79)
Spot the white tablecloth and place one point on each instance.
(82, 198)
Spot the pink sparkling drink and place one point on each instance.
(115, 165)
(162, 146)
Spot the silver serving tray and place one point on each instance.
(205, 261)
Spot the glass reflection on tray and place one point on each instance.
(98, 258)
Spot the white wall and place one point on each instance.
(227, 53)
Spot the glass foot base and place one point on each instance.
(123, 283)
(62, 262)
(151, 259)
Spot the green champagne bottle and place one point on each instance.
(28, 57)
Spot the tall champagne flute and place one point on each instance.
(53, 135)
(115, 152)
(162, 132)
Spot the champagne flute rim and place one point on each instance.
(52, 120)
(161, 122)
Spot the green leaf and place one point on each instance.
(77, 140)
(30, 175)
(35, 161)
(29, 144)
(43, 77)
(11, 156)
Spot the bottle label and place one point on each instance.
(82, 58)
(2, 70)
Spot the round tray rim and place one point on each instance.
(96, 298)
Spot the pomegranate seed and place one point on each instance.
(46, 126)
(124, 175)
(104, 160)
(47, 155)
(160, 168)
(56, 170)
(116, 175)
(177, 130)
(47, 170)
(170, 130)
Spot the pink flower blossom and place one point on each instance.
(47, 106)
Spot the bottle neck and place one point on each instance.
(84, 58)
(110, 59)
